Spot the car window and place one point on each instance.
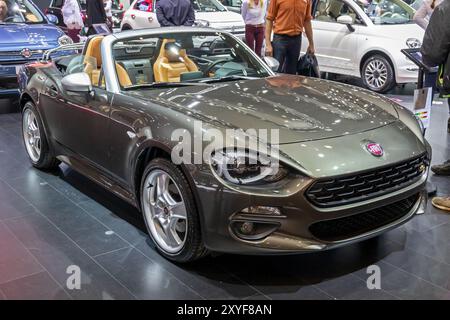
(184, 57)
(388, 11)
(57, 3)
(19, 11)
(144, 5)
(330, 10)
(207, 5)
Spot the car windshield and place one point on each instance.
(387, 11)
(207, 6)
(184, 59)
(19, 11)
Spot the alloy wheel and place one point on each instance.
(31, 135)
(376, 74)
(165, 211)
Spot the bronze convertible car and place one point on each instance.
(351, 164)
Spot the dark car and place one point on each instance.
(25, 33)
(218, 152)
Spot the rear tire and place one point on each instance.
(378, 74)
(170, 212)
(35, 140)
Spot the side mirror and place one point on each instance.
(52, 18)
(272, 63)
(77, 82)
(347, 20)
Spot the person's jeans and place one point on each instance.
(74, 35)
(254, 37)
(286, 49)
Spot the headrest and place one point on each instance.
(173, 51)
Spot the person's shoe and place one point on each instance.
(442, 203)
(442, 169)
(448, 125)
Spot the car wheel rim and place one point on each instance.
(31, 135)
(376, 74)
(165, 211)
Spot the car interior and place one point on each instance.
(160, 60)
(330, 10)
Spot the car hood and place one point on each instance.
(222, 18)
(28, 35)
(300, 108)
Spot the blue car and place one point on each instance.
(25, 33)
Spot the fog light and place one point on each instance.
(262, 210)
(247, 228)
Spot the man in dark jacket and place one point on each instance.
(436, 51)
(95, 14)
(175, 13)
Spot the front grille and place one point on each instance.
(366, 185)
(359, 224)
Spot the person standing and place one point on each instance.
(254, 12)
(436, 51)
(72, 19)
(421, 18)
(175, 13)
(95, 11)
(108, 11)
(288, 19)
(3, 10)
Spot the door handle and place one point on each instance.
(53, 90)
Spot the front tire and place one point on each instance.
(170, 212)
(378, 74)
(35, 140)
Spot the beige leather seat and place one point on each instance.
(93, 64)
(169, 66)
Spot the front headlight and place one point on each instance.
(246, 168)
(64, 40)
(413, 43)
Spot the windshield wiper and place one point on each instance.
(161, 85)
(227, 78)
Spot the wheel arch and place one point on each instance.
(371, 53)
(152, 150)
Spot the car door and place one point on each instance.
(78, 121)
(335, 44)
(142, 18)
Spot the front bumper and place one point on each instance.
(221, 209)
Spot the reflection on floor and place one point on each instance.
(50, 221)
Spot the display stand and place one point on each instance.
(415, 56)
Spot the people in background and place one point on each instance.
(254, 13)
(423, 14)
(3, 10)
(436, 51)
(288, 19)
(421, 17)
(175, 13)
(95, 11)
(72, 19)
(108, 11)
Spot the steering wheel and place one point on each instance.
(9, 19)
(212, 65)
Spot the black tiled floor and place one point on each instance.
(49, 221)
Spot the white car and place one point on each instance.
(365, 40)
(208, 13)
